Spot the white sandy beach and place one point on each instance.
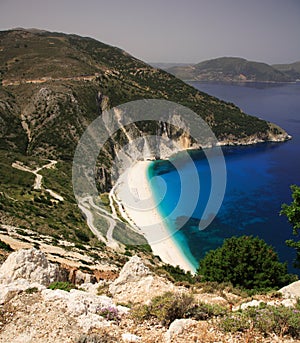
(134, 193)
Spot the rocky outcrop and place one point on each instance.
(10, 290)
(31, 265)
(136, 283)
(291, 291)
(84, 306)
(290, 295)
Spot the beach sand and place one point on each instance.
(134, 194)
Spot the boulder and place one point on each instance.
(291, 291)
(32, 265)
(129, 338)
(10, 290)
(177, 328)
(84, 306)
(136, 283)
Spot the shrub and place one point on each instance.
(100, 337)
(31, 290)
(203, 311)
(5, 246)
(246, 262)
(178, 274)
(64, 286)
(109, 313)
(292, 212)
(266, 319)
(166, 308)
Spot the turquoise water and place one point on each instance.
(258, 178)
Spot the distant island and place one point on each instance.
(234, 69)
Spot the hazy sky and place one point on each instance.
(171, 30)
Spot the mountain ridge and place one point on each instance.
(230, 69)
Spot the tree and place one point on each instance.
(292, 212)
(246, 262)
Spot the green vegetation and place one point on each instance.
(36, 209)
(64, 286)
(176, 274)
(266, 319)
(31, 290)
(246, 262)
(5, 246)
(165, 308)
(101, 336)
(292, 212)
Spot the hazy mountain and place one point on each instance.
(230, 69)
(292, 69)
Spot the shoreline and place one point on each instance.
(134, 196)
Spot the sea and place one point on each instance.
(258, 178)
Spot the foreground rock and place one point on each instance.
(31, 313)
(31, 265)
(291, 291)
(137, 284)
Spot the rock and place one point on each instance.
(253, 303)
(10, 290)
(128, 337)
(29, 264)
(177, 328)
(291, 291)
(136, 283)
(133, 270)
(92, 321)
(84, 306)
(91, 288)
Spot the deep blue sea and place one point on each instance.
(258, 177)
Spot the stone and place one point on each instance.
(291, 291)
(136, 283)
(178, 327)
(84, 306)
(10, 290)
(29, 264)
(253, 303)
(133, 270)
(129, 337)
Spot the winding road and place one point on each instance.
(38, 177)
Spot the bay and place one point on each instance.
(258, 177)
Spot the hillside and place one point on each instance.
(53, 86)
(292, 69)
(230, 69)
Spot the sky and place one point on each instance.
(181, 31)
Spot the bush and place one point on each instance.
(266, 319)
(203, 311)
(5, 246)
(178, 274)
(64, 286)
(166, 308)
(100, 337)
(292, 213)
(246, 262)
(109, 313)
